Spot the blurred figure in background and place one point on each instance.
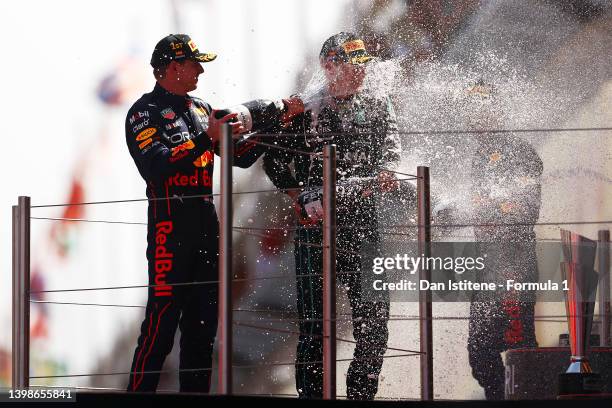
(364, 129)
(506, 172)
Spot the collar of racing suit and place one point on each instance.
(177, 101)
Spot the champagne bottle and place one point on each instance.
(256, 115)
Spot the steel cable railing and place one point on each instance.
(250, 231)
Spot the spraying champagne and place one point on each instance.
(261, 114)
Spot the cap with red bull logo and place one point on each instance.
(178, 47)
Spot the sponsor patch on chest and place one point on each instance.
(168, 113)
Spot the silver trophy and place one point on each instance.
(578, 271)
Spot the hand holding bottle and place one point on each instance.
(216, 119)
(293, 107)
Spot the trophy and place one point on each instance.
(577, 270)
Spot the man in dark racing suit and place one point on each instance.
(506, 172)
(364, 129)
(172, 138)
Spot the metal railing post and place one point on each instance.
(425, 310)
(329, 272)
(225, 264)
(603, 256)
(21, 294)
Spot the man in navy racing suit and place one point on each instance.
(506, 172)
(172, 138)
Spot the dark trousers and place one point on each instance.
(369, 319)
(180, 250)
(496, 327)
(503, 323)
